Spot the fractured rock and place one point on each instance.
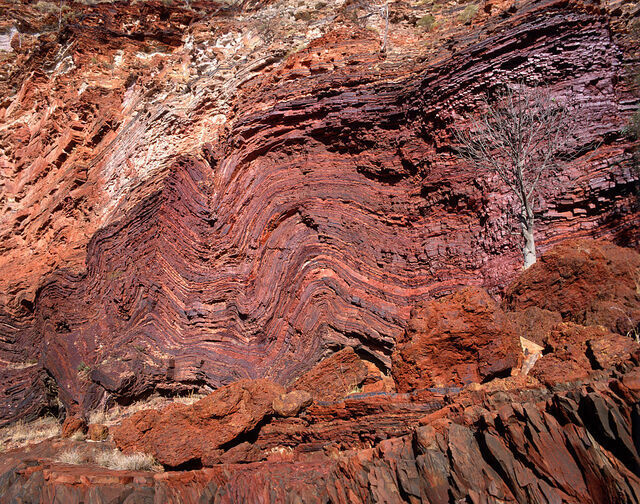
(334, 377)
(461, 338)
(291, 403)
(196, 433)
(73, 424)
(573, 352)
(588, 282)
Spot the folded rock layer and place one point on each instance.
(181, 211)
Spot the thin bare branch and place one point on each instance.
(519, 137)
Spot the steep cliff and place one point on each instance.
(197, 194)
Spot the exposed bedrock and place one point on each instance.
(587, 282)
(305, 207)
(456, 340)
(560, 428)
(488, 445)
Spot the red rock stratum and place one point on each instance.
(251, 198)
(191, 196)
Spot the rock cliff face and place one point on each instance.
(195, 195)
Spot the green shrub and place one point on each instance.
(83, 370)
(427, 22)
(468, 13)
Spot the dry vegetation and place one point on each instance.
(22, 433)
(111, 459)
(118, 413)
(71, 456)
(115, 459)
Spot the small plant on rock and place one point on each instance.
(72, 456)
(467, 15)
(115, 459)
(427, 22)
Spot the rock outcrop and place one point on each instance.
(493, 444)
(334, 377)
(193, 196)
(562, 431)
(456, 340)
(196, 435)
(261, 201)
(587, 282)
(573, 352)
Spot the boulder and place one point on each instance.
(534, 323)
(290, 404)
(73, 424)
(573, 352)
(97, 432)
(197, 434)
(461, 338)
(385, 385)
(334, 377)
(588, 282)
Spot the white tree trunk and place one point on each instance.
(529, 245)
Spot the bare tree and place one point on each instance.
(519, 136)
(384, 14)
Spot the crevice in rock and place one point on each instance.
(249, 436)
(505, 373)
(592, 358)
(191, 465)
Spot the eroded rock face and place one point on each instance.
(518, 443)
(334, 377)
(588, 282)
(73, 425)
(456, 340)
(574, 352)
(197, 195)
(534, 323)
(197, 434)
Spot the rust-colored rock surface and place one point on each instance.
(196, 434)
(588, 282)
(334, 377)
(534, 323)
(195, 195)
(97, 432)
(72, 425)
(459, 339)
(515, 443)
(251, 198)
(291, 403)
(574, 352)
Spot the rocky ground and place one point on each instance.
(252, 213)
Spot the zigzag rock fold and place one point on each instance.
(209, 220)
(262, 201)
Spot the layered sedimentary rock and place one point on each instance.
(562, 427)
(194, 196)
(511, 443)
